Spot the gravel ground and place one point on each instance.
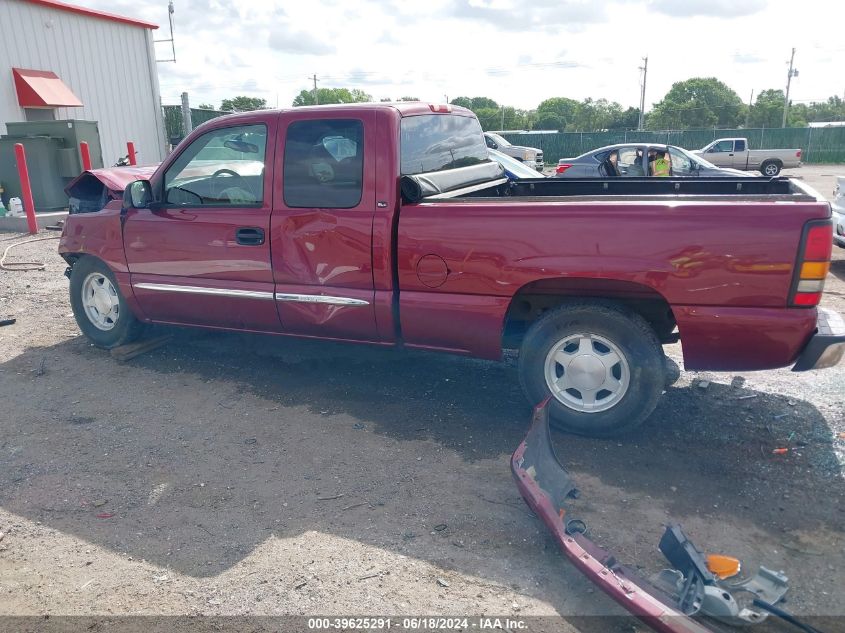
(231, 474)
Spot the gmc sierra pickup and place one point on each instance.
(734, 152)
(389, 225)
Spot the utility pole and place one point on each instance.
(503, 119)
(187, 121)
(644, 71)
(316, 99)
(748, 112)
(792, 73)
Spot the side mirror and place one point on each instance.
(138, 195)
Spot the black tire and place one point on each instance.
(673, 372)
(634, 339)
(771, 168)
(125, 328)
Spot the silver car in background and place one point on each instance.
(531, 156)
(632, 162)
(838, 208)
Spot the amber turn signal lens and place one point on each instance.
(814, 270)
(723, 566)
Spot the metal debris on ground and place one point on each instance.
(694, 585)
(780, 451)
(703, 384)
(748, 397)
(11, 321)
(442, 582)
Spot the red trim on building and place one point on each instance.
(43, 89)
(103, 15)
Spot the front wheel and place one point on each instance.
(601, 365)
(99, 307)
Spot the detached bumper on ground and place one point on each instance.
(546, 486)
(827, 346)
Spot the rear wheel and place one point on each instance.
(770, 168)
(601, 364)
(99, 307)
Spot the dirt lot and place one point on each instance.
(234, 474)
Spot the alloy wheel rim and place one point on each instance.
(100, 301)
(587, 373)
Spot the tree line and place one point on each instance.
(696, 103)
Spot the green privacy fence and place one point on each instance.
(819, 145)
(173, 119)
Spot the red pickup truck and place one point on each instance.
(389, 225)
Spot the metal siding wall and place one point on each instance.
(106, 64)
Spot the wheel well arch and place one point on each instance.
(776, 161)
(536, 298)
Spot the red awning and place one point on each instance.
(43, 89)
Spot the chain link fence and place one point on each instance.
(173, 120)
(818, 145)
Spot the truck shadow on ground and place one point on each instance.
(837, 268)
(205, 448)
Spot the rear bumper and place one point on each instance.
(827, 346)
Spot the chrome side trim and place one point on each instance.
(214, 292)
(335, 301)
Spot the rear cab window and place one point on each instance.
(324, 163)
(437, 142)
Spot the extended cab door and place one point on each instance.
(322, 224)
(201, 254)
(721, 154)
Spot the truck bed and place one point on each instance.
(712, 189)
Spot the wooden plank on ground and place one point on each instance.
(131, 350)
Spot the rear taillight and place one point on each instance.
(813, 264)
(798, 154)
(562, 168)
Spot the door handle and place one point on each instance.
(249, 236)
(730, 154)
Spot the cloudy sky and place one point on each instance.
(517, 52)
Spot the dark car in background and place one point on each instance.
(632, 162)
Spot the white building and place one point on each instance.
(59, 61)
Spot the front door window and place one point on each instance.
(224, 167)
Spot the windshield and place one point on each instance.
(695, 158)
(501, 142)
(434, 142)
(513, 166)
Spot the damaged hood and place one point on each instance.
(114, 178)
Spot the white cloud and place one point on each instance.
(517, 52)
(283, 38)
(712, 8)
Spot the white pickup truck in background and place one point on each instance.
(734, 152)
